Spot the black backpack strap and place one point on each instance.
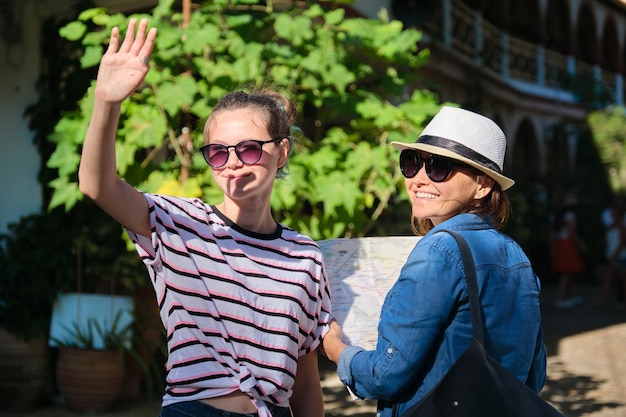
(469, 270)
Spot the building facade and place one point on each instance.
(538, 68)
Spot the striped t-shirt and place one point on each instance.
(238, 307)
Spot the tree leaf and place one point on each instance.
(73, 31)
(92, 56)
(176, 95)
(65, 193)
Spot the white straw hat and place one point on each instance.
(467, 137)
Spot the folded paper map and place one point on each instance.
(361, 271)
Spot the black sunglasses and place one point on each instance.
(248, 151)
(438, 168)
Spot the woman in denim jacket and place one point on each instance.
(454, 180)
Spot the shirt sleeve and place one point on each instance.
(322, 313)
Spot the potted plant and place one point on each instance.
(90, 366)
(96, 348)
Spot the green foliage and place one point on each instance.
(354, 79)
(35, 266)
(609, 136)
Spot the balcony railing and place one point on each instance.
(492, 52)
(466, 32)
(556, 75)
(463, 31)
(523, 63)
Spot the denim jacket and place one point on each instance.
(425, 323)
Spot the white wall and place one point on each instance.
(20, 192)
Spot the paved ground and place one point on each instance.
(586, 368)
(587, 357)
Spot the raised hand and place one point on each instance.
(123, 69)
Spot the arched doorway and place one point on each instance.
(529, 196)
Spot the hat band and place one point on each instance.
(461, 150)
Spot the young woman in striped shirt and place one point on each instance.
(243, 298)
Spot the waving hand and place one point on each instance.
(123, 67)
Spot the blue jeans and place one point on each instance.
(200, 409)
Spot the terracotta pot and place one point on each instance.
(23, 371)
(89, 380)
